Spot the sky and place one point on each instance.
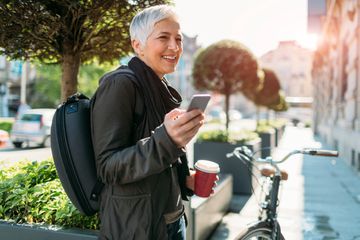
(258, 24)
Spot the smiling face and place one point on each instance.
(163, 47)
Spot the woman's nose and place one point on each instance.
(173, 45)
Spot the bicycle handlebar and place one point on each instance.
(321, 152)
(245, 151)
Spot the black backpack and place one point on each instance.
(73, 153)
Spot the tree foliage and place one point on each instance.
(226, 67)
(281, 105)
(268, 93)
(47, 90)
(68, 32)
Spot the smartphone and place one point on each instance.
(199, 101)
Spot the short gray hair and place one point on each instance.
(142, 25)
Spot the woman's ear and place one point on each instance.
(137, 47)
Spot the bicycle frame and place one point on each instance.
(271, 212)
(268, 225)
(269, 205)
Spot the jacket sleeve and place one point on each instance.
(112, 129)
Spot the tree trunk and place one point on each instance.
(227, 103)
(70, 69)
(257, 116)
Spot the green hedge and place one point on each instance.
(30, 192)
(236, 137)
(6, 126)
(278, 122)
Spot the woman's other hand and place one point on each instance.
(190, 180)
(182, 126)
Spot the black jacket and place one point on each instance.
(134, 162)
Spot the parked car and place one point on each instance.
(32, 126)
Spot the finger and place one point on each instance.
(187, 136)
(188, 116)
(187, 131)
(195, 123)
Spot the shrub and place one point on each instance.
(278, 122)
(30, 192)
(213, 136)
(264, 129)
(6, 126)
(236, 137)
(307, 124)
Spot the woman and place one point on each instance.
(139, 136)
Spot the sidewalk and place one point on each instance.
(321, 199)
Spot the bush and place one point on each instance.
(213, 136)
(264, 129)
(236, 137)
(266, 126)
(6, 126)
(307, 124)
(276, 123)
(30, 192)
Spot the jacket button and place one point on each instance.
(171, 165)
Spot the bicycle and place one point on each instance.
(267, 225)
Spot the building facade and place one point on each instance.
(336, 79)
(11, 76)
(292, 64)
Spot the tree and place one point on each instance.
(281, 105)
(46, 91)
(269, 93)
(226, 67)
(67, 32)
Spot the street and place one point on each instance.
(10, 155)
(320, 200)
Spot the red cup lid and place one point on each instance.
(207, 166)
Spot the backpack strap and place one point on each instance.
(96, 191)
(138, 107)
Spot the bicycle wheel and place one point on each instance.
(259, 231)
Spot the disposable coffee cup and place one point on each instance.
(205, 177)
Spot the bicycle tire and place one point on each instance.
(259, 231)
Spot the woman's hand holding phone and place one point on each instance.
(182, 125)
